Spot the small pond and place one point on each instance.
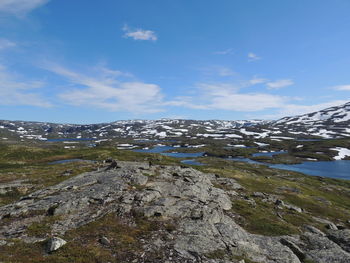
(270, 154)
(192, 162)
(163, 151)
(69, 161)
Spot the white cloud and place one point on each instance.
(281, 83)
(225, 72)
(226, 96)
(228, 51)
(230, 97)
(342, 87)
(247, 102)
(16, 92)
(253, 57)
(255, 81)
(20, 7)
(106, 91)
(5, 43)
(139, 34)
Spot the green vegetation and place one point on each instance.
(42, 228)
(222, 254)
(84, 245)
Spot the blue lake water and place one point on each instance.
(333, 169)
(192, 162)
(157, 149)
(183, 155)
(162, 150)
(268, 153)
(69, 161)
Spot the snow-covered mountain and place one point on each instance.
(164, 128)
(327, 123)
(333, 122)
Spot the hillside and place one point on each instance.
(328, 123)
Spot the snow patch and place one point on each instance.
(342, 153)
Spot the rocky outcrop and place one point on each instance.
(199, 203)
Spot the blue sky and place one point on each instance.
(86, 61)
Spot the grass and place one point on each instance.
(223, 254)
(42, 228)
(262, 219)
(84, 246)
(10, 196)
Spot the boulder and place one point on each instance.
(55, 243)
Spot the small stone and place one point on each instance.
(279, 202)
(331, 226)
(55, 243)
(67, 173)
(258, 194)
(341, 227)
(314, 230)
(105, 241)
(196, 214)
(2, 243)
(279, 215)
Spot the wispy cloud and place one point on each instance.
(253, 57)
(105, 90)
(139, 34)
(225, 72)
(342, 87)
(278, 84)
(14, 91)
(228, 51)
(20, 7)
(5, 43)
(227, 96)
(215, 70)
(255, 81)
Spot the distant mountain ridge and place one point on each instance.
(336, 114)
(329, 122)
(333, 122)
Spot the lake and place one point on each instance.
(333, 169)
(270, 154)
(69, 161)
(192, 162)
(163, 151)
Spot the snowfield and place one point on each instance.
(342, 153)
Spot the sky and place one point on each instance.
(87, 61)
